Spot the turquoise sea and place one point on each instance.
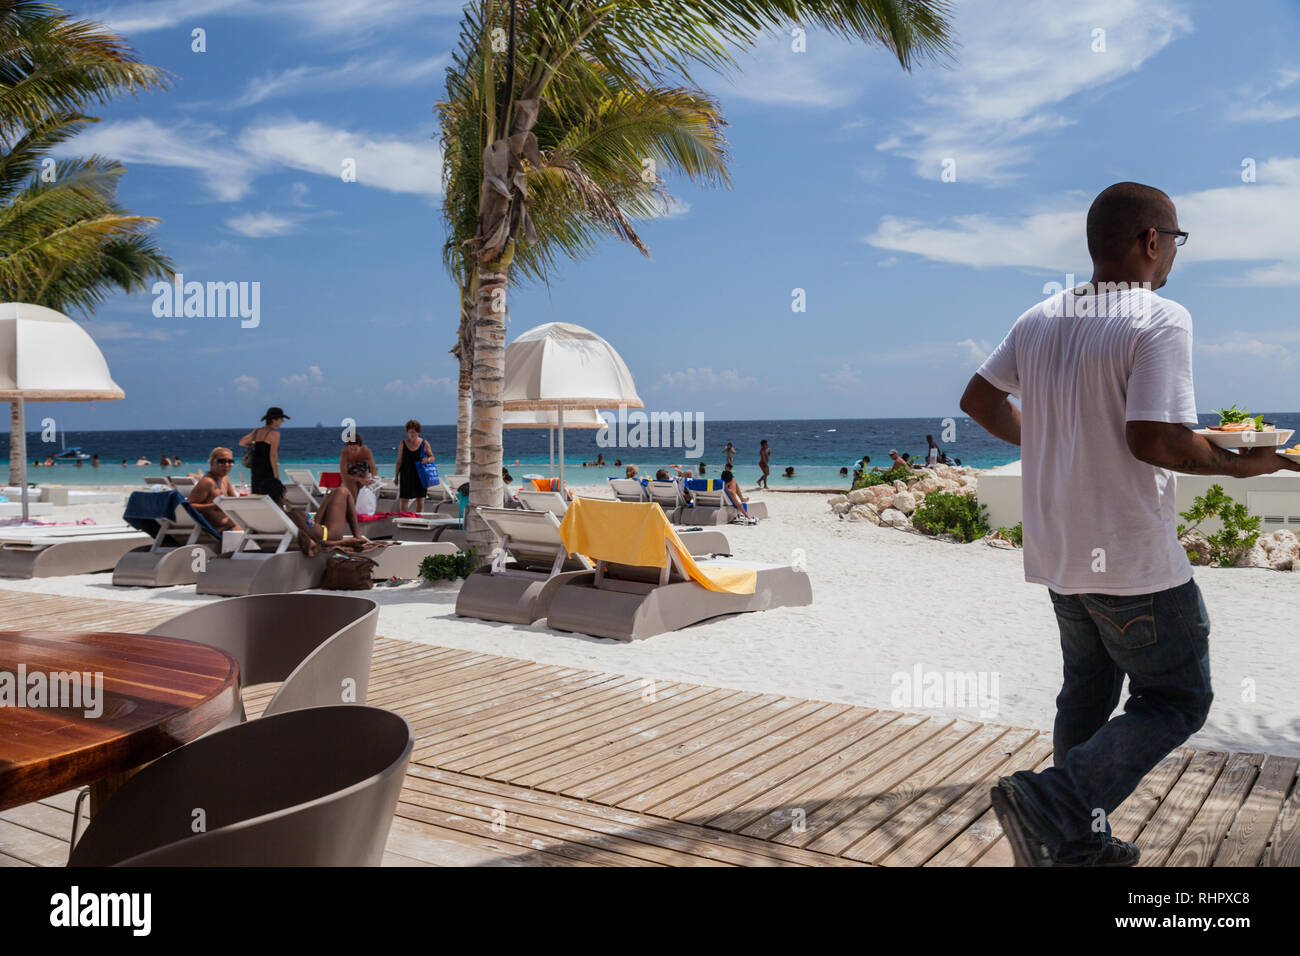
(815, 448)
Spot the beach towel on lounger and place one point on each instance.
(144, 509)
(636, 534)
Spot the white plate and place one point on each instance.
(1277, 439)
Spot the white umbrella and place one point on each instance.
(550, 420)
(561, 366)
(47, 357)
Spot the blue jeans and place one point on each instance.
(1161, 641)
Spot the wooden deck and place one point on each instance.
(518, 763)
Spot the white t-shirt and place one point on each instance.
(1096, 519)
(932, 456)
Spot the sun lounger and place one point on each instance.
(156, 481)
(301, 490)
(646, 583)
(697, 541)
(528, 567)
(429, 528)
(668, 496)
(629, 489)
(183, 541)
(47, 552)
(711, 504)
(183, 483)
(267, 559)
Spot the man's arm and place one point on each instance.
(991, 409)
(1178, 448)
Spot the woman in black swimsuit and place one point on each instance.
(266, 451)
(357, 465)
(410, 486)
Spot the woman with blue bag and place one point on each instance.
(415, 469)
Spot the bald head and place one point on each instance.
(1120, 214)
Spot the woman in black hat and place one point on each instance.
(265, 442)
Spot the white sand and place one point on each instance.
(884, 602)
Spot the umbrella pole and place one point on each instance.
(22, 451)
(550, 441)
(561, 449)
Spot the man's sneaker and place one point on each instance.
(1027, 849)
(1115, 853)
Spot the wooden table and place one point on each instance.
(158, 693)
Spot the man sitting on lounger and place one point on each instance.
(662, 475)
(733, 489)
(212, 485)
(338, 512)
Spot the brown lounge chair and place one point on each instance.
(181, 545)
(267, 559)
(629, 599)
(314, 787)
(48, 552)
(529, 565)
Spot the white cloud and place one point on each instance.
(1247, 222)
(261, 225)
(228, 171)
(391, 164)
(246, 385)
(343, 19)
(700, 378)
(108, 331)
(312, 378)
(1261, 106)
(1251, 348)
(672, 208)
(358, 72)
(967, 352)
(424, 384)
(1015, 68)
(827, 75)
(842, 379)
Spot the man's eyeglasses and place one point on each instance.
(1180, 237)
(225, 461)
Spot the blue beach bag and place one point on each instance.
(428, 473)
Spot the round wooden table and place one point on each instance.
(158, 693)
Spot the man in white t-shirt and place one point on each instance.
(1104, 377)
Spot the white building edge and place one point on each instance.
(1275, 498)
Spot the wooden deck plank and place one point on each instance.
(964, 833)
(1130, 818)
(1166, 828)
(1204, 835)
(1248, 838)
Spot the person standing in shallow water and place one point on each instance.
(764, 462)
(1104, 377)
(265, 441)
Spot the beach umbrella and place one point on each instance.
(563, 366)
(47, 357)
(550, 420)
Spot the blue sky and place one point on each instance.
(837, 190)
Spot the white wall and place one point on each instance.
(1276, 497)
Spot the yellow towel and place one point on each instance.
(636, 534)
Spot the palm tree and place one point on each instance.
(65, 242)
(555, 55)
(591, 180)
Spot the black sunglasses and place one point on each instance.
(1180, 237)
(225, 461)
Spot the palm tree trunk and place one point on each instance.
(485, 486)
(465, 393)
(17, 445)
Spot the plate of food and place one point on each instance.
(1293, 452)
(1240, 429)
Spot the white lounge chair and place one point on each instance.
(182, 483)
(714, 505)
(668, 496)
(698, 541)
(302, 490)
(267, 559)
(629, 489)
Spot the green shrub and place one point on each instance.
(1238, 535)
(1015, 534)
(944, 512)
(447, 567)
(871, 478)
